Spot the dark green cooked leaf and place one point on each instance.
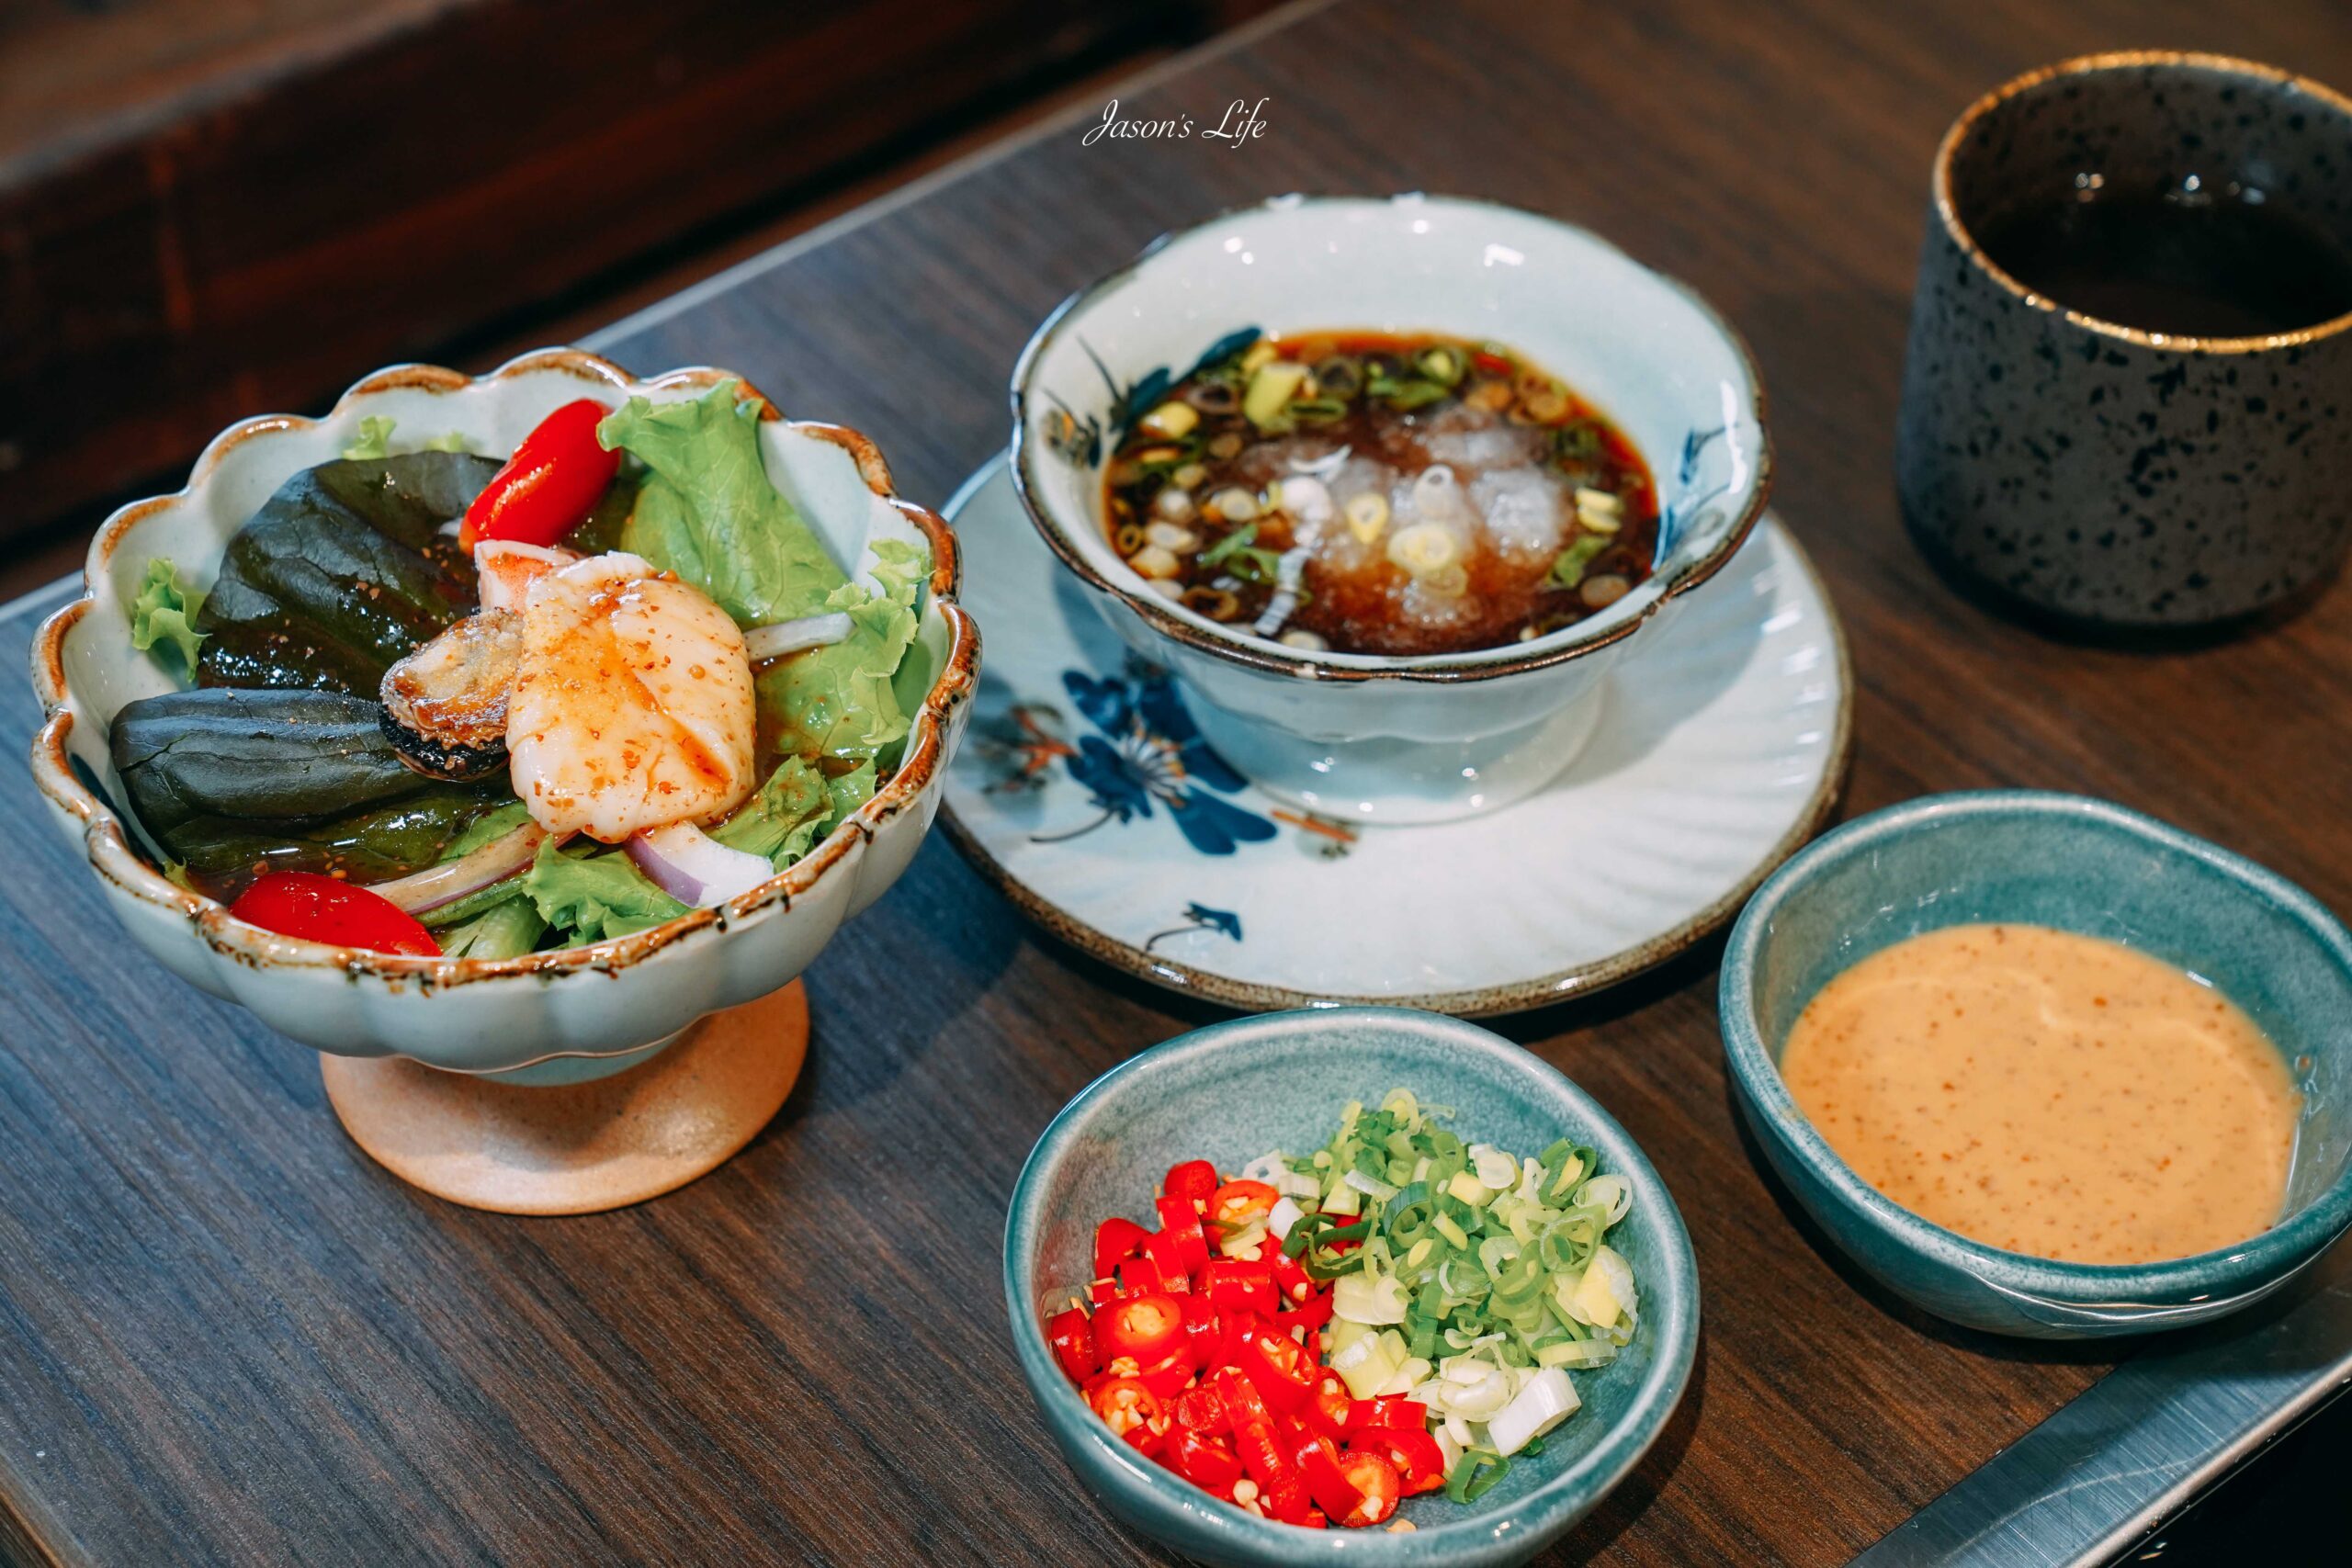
(270, 755)
(342, 572)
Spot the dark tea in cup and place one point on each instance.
(2125, 397)
(2184, 261)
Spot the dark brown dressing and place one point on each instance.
(2184, 263)
(1382, 397)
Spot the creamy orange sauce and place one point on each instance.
(2049, 1093)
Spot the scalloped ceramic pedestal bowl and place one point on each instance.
(545, 1017)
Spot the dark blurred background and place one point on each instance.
(211, 208)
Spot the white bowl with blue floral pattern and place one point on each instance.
(1363, 737)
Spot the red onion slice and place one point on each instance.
(774, 641)
(695, 868)
(438, 885)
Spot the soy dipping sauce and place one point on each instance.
(2184, 262)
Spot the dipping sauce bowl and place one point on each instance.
(2077, 865)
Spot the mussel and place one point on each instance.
(445, 704)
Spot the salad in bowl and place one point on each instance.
(507, 721)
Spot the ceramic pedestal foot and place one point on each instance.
(578, 1148)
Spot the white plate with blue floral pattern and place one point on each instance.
(1085, 793)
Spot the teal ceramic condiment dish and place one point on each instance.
(2075, 864)
(1233, 1091)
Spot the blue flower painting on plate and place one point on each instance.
(1147, 751)
(1200, 917)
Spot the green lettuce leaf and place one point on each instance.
(492, 824)
(838, 701)
(374, 440)
(480, 901)
(850, 791)
(508, 930)
(784, 818)
(594, 895)
(495, 823)
(707, 512)
(165, 612)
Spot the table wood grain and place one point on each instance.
(226, 1336)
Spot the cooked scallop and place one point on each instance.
(632, 705)
(507, 568)
(445, 704)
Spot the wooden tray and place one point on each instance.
(226, 1336)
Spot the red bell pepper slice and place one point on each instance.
(1194, 1182)
(1116, 1241)
(554, 480)
(1388, 1410)
(1420, 1463)
(1148, 1327)
(1071, 1334)
(1278, 1365)
(1373, 1476)
(1236, 1285)
(1103, 1290)
(324, 908)
(1180, 1225)
(1240, 1203)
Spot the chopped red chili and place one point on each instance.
(1212, 1365)
(1071, 1334)
(1116, 1241)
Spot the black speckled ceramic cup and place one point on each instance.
(2092, 470)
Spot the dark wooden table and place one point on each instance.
(225, 1335)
